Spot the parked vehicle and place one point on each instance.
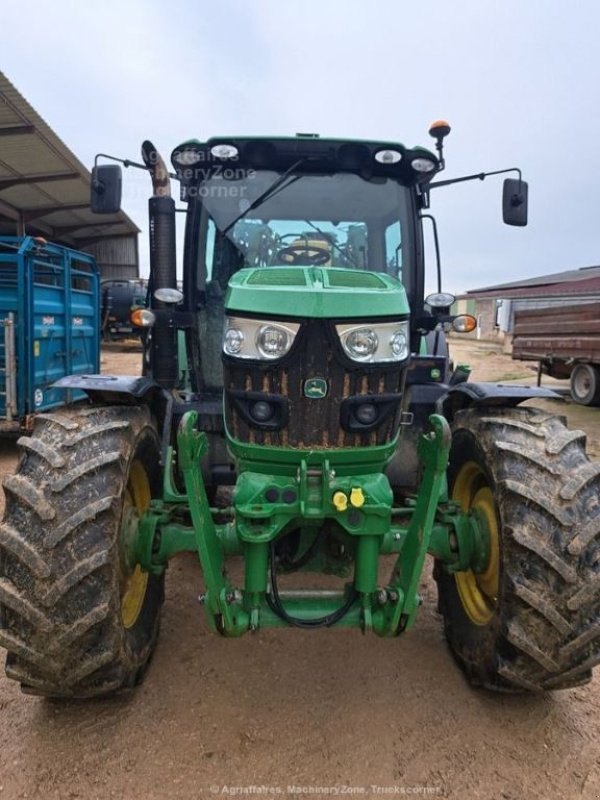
(49, 301)
(119, 299)
(565, 341)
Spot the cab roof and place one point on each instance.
(303, 152)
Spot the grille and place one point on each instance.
(355, 280)
(278, 277)
(312, 423)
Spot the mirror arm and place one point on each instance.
(480, 176)
(128, 163)
(437, 249)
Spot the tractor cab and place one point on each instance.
(272, 204)
(304, 201)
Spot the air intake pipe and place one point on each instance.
(163, 270)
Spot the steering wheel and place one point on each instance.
(308, 255)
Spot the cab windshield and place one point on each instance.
(264, 218)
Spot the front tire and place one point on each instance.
(77, 619)
(528, 620)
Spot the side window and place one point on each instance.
(393, 250)
(211, 234)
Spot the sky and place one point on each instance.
(517, 80)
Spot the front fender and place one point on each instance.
(465, 395)
(117, 389)
(126, 390)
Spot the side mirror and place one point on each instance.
(106, 189)
(514, 202)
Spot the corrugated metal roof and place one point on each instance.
(579, 287)
(569, 276)
(44, 188)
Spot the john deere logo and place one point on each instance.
(315, 388)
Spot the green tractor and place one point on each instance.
(298, 413)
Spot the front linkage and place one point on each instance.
(266, 506)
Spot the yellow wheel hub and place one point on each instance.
(134, 583)
(478, 591)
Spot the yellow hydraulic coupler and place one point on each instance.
(340, 501)
(357, 497)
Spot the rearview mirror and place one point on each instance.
(106, 189)
(514, 202)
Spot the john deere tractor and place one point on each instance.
(298, 413)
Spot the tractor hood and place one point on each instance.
(321, 292)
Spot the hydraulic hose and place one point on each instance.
(274, 603)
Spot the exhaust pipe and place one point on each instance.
(163, 269)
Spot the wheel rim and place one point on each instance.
(582, 381)
(478, 591)
(134, 581)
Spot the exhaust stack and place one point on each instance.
(163, 270)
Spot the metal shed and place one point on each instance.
(45, 190)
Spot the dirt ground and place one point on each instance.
(300, 713)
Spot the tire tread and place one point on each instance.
(546, 633)
(60, 617)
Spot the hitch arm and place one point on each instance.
(433, 449)
(192, 444)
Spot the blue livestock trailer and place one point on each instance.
(49, 325)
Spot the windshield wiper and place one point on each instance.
(269, 192)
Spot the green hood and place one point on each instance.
(322, 292)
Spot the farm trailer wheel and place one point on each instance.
(585, 384)
(529, 619)
(75, 618)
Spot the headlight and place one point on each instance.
(233, 341)
(384, 341)
(224, 151)
(272, 341)
(399, 344)
(440, 300)
(169, 295)
(361, 344)
(422, 164)
(187, 157)
(366, 413)
(388, 156)
(262, 340)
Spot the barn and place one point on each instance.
(45, 191)
(495, 306)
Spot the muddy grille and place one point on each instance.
(312, 423)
